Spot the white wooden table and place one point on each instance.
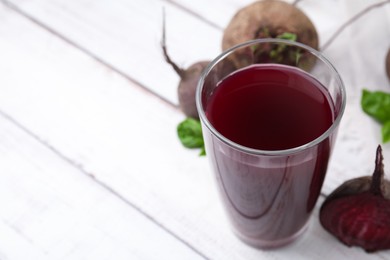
(90, 163)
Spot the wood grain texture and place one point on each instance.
(126, 36)
(51, 210)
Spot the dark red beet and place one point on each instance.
(358, 212)
(187, 88)
(188, 81)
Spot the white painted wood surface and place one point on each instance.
(91, 167)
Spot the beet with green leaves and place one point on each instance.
(271, 19)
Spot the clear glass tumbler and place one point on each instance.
(269, 194)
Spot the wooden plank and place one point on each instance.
(51, 210)
(126, 35)
(126, 139)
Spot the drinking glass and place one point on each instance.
(269, 195)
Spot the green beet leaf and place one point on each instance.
(202, 151)
(376, 104)
(288, 36)
(190, 134)
(386, 132)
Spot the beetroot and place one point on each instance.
(358, 212)
(270, 19)
(188, 81)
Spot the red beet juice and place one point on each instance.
(269, 107)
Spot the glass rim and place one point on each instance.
(207, 123)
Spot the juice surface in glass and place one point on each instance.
(270, 107)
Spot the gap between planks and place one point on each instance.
(194, 14)
(102, 184)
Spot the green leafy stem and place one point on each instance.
(190, 134)
(377, 105)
